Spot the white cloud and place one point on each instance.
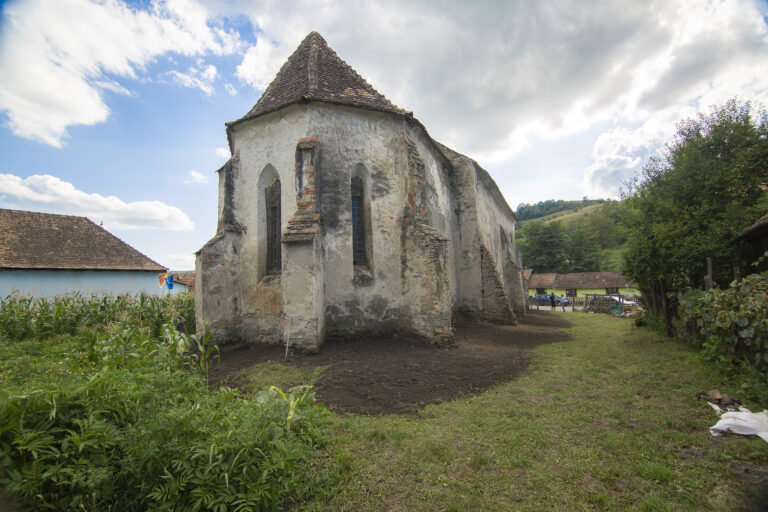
(46, 193)
(223, 152)
(55, 56)
(195, 178)
(230, 89)
(111, 85)
(262, 62)
(180, 261)
(196, 78)
(489, 78)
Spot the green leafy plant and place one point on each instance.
(731, 328)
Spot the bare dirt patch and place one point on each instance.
(400, 375)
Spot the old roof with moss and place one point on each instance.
(580, 280)
(315, 73)
(45, 241)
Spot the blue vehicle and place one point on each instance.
(543, 300)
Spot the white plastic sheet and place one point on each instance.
(742, 422)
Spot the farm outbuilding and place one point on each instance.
(577, 284)
(43, 254)
(340, 215)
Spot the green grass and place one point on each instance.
(263, 375)
(598, 424)
(566, 216)
(605, 421)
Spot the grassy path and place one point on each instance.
(605, 421)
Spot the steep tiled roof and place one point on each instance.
(315, 73)
(31, 240)
(580, 280)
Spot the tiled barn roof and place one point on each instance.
(592, 280)
(542, 281)
(31, 240)
(580, 280)
(315, 73)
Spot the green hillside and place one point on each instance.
(572, 236)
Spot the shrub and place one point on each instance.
(139, 431)
(731, 328)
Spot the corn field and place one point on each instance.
(23, 317)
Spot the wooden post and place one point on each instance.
(736, 273)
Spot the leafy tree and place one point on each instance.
(583, 249)
(694, 199)
(544, 246)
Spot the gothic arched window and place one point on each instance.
(272, 202)
(358, 222)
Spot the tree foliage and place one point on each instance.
(693, 200)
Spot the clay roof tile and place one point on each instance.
(32, 240)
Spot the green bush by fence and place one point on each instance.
(24, 317)
(731, 328)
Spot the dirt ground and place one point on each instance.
(399, 375)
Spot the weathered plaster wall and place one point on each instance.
(497, 235)
(437, 241)
(374, 146)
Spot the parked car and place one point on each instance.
(612, 300)
(543, 300)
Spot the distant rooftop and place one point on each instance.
(32, 240)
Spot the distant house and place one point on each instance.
(579, 283)
(43, 254)
(757, 236)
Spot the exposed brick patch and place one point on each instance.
(301, 227)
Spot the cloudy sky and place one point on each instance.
(115, 110)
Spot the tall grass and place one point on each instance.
(23, 317)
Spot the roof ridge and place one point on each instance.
(312, 63)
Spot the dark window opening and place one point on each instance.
(540, 291)
(358, 223)
(611, 291)
(272, 196)
(570, 292)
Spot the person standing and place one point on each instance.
(552, 300)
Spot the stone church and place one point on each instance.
(340, 215)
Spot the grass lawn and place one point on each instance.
(605, 421)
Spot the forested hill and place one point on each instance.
(573, 236)
(527, 211)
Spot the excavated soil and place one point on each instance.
(395, 375)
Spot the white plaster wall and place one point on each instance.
(267, 140)
(347, 137)
(48, 283)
